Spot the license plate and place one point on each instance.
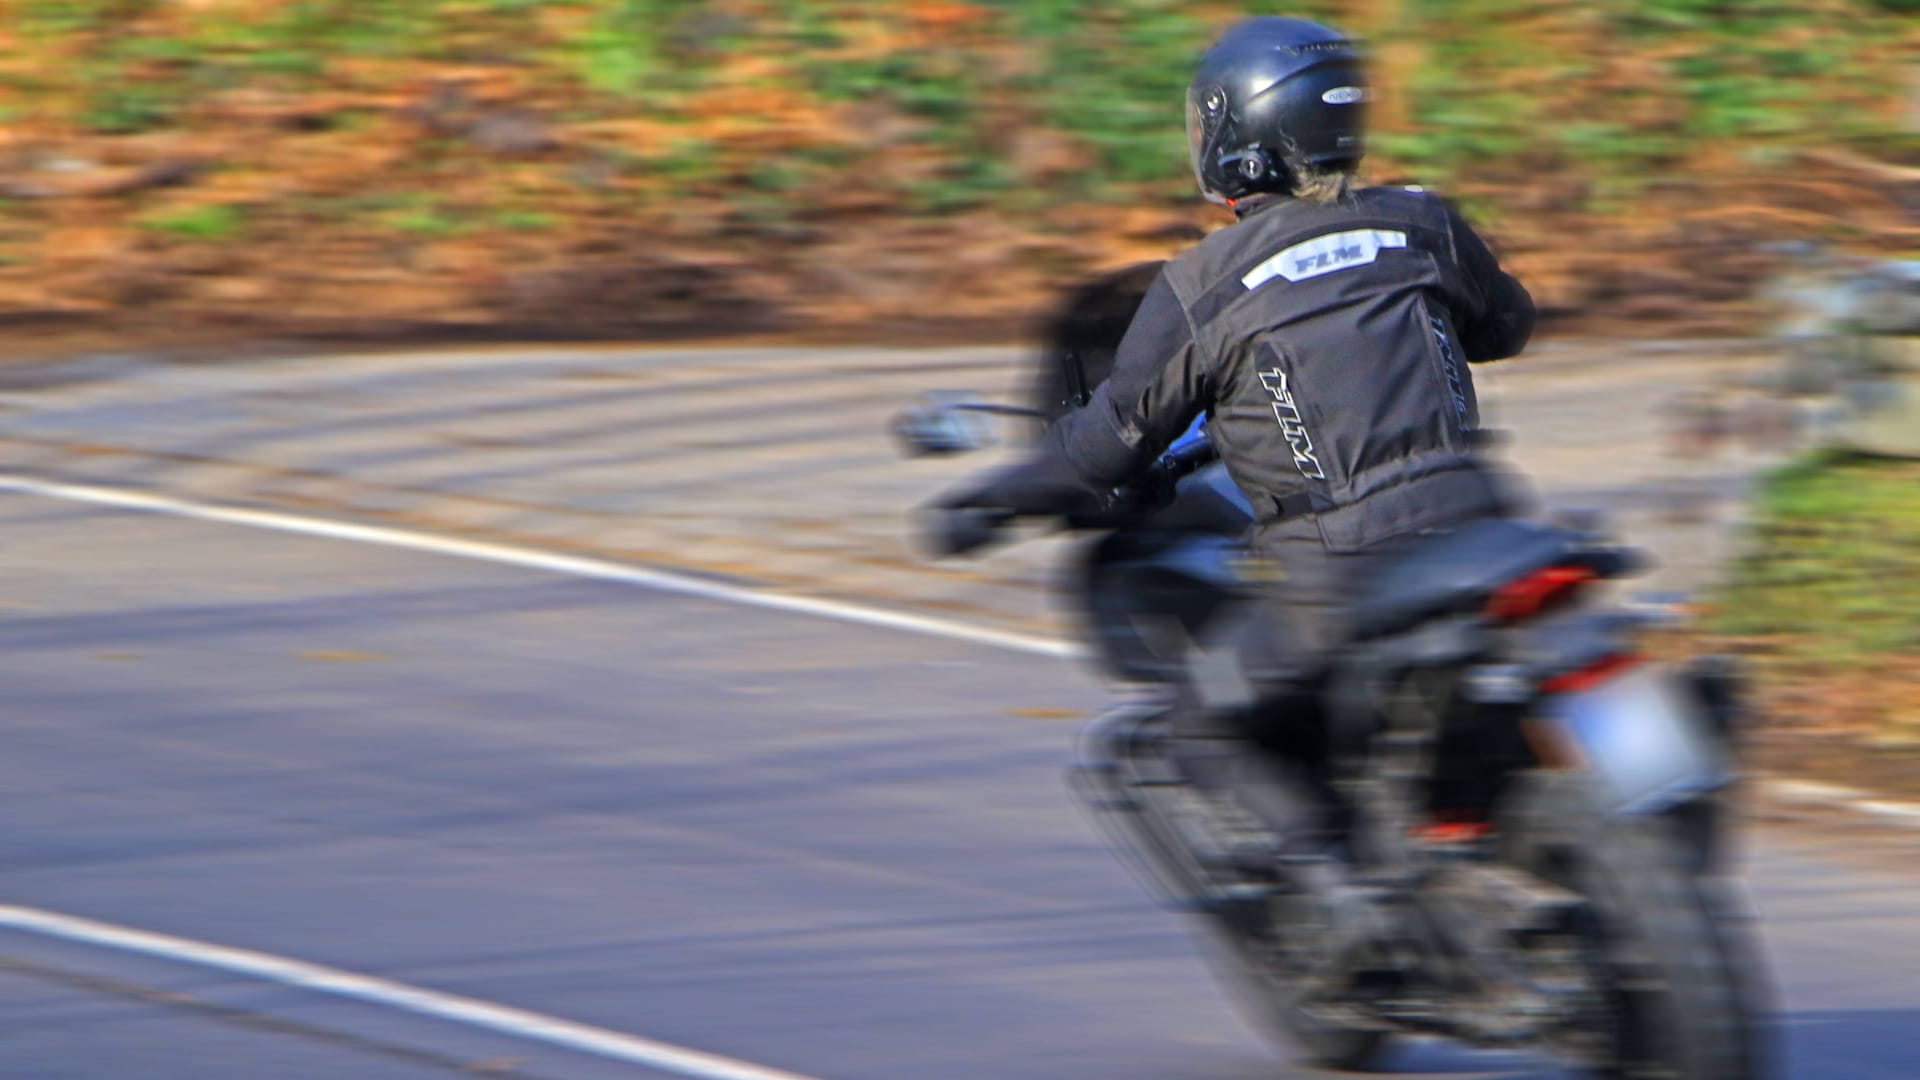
(1645, 740)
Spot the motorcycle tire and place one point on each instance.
(1680, 994)
(1242, 959)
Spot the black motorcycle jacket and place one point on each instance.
(1329, 343)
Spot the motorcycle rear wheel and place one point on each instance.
(1678, 991)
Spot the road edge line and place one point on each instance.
(470, 1012)
(1895, 813)
(533, 558)
(1785, 789)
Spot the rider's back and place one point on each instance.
(1336, 337)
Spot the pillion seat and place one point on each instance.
(1448, 573)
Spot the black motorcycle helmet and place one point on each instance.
(1272, 99)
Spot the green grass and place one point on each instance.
(1115, 75)
(525, 220)
(1491, 94)
(52, 18)
(641, 49)
(430, 221)
(123, 107)
(216, 221)
(1763, 74)
(1835, 574)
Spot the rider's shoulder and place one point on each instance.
(1412, 199)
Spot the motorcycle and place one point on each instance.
(1526, 840)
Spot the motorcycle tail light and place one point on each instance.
(1538, 591)
(1454, 832)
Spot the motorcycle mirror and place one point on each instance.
(944, 423)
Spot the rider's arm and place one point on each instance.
(1157, 387)
(1497, 322)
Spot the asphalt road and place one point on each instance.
(818, 847)
(776, 465)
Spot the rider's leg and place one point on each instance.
(1247, 723)
(1250, 705)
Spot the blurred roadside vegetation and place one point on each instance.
(625, 167)
(1827, 604)
(1834, 577)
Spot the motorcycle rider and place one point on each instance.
(1325, 335)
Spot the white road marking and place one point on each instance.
(520, 1023)
(1904, 812)
(1813, 791)
(536, 559)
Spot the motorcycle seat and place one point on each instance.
(1444, 573)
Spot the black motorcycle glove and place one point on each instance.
(1045, 486)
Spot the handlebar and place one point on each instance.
(1185, 459)
(1154, 487)
(952, 531)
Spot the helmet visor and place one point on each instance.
(1206, 115)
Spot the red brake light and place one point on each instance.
(1454, 832)
(1538, 591)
